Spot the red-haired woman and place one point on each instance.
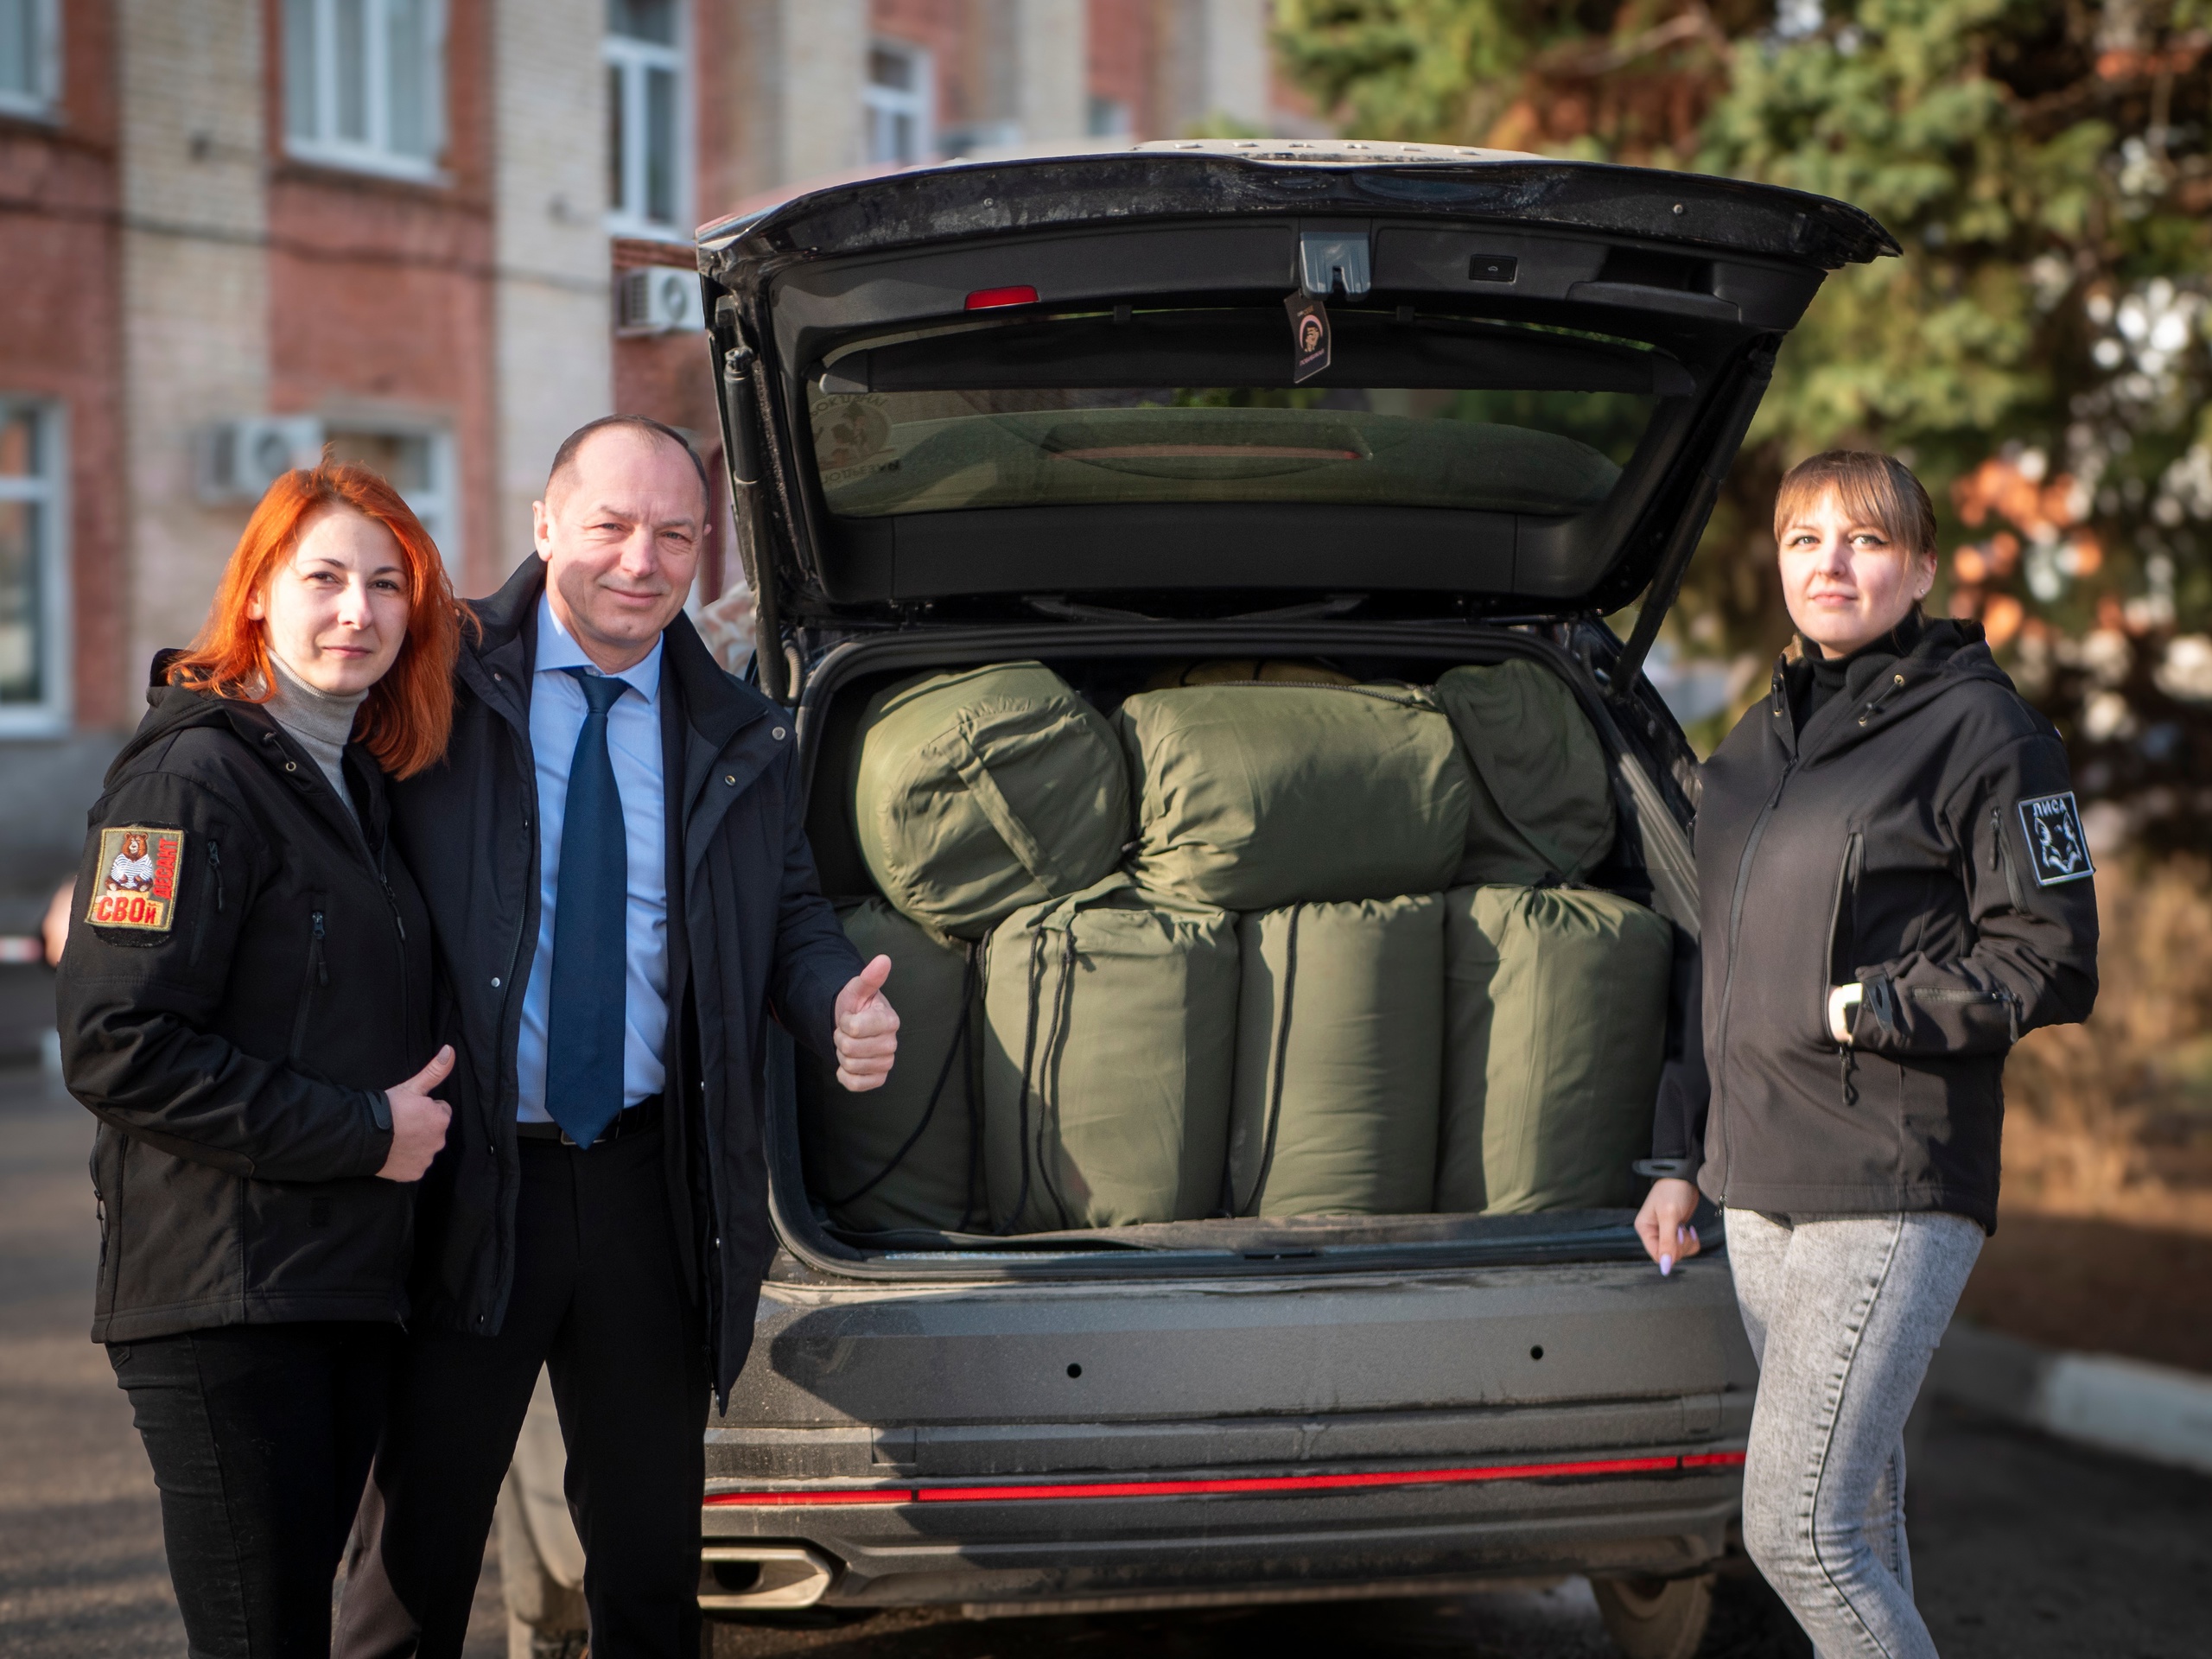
(245, 1005)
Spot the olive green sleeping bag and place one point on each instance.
(908, 1154)
(1255, 796)
(1106, 1061)
(1339, 1057)
(1233, 671)
(976, 792)
(1543, 797)
(1555, 1024)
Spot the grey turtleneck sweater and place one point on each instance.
(319, 722)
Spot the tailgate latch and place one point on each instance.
(1328, 258)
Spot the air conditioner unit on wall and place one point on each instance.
(657, 300)
(239, 460)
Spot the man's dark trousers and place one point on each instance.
(599, 1298)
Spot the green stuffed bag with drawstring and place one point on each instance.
(908, 1154)
(1107, 1058)
(1543, 795)
(1257, 796)
(1339, 1055)
(1555, 1028)
(977, 792)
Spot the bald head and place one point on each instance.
(619, 529)
(641, 427)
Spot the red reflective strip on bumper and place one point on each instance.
(869, 1495)
(1251, 1483)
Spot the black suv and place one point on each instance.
(1049, 409)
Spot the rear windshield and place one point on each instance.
(1467, 421)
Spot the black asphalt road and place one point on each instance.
(81, 1570)
(2024, 1548)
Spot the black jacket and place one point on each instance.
(748, 928)
(263, 983)
(1919, 836)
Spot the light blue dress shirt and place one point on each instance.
(633, 740)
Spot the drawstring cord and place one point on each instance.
(1028, 1057)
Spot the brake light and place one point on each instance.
(986, 299)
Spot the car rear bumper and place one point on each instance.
(1214, 1440)
(1242, 1534)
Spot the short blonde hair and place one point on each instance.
(1874, 489)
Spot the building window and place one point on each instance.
(30, 56)
(647, 181)
(900, 112)
(365, 83)
(1108, 118)
(418, 462)
(34, 573)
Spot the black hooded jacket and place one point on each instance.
(247, 971)
(1919, 836)
(749, 935)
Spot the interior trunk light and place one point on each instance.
(983, 299)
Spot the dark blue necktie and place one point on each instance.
(583, 1023)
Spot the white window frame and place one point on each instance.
(886, 104)
(1108, 118)
(50, 489)
(40, 102)
(632, 57)
(437, 504)
(373, 155)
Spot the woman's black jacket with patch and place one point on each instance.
(1920, 836)
(237, 1057)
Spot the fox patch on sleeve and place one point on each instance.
(2057, 850)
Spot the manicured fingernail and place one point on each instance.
(1666, 1266)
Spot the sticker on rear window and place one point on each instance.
(135, 885)
(2057, 850)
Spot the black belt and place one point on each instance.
(634, 1120)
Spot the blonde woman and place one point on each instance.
(1894, 886)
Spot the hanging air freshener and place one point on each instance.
(1309, 336)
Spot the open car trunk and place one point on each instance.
(1648, 864)
(1378, 416)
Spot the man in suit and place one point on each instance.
(623, 898)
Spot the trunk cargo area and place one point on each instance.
(1239, 949)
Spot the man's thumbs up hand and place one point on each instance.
(867, 1029)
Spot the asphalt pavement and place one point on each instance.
(82, 1575)
(2024, 1548)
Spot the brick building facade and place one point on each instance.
(235, 230)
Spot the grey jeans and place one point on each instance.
(1844, 1313)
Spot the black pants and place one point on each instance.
(260, 1436)
(599, 1300)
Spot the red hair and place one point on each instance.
(409, 714)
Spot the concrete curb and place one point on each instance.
(2158, 1413)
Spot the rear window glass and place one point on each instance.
(944, 423)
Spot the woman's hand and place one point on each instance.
(1663, 1224)
(418, 1123)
